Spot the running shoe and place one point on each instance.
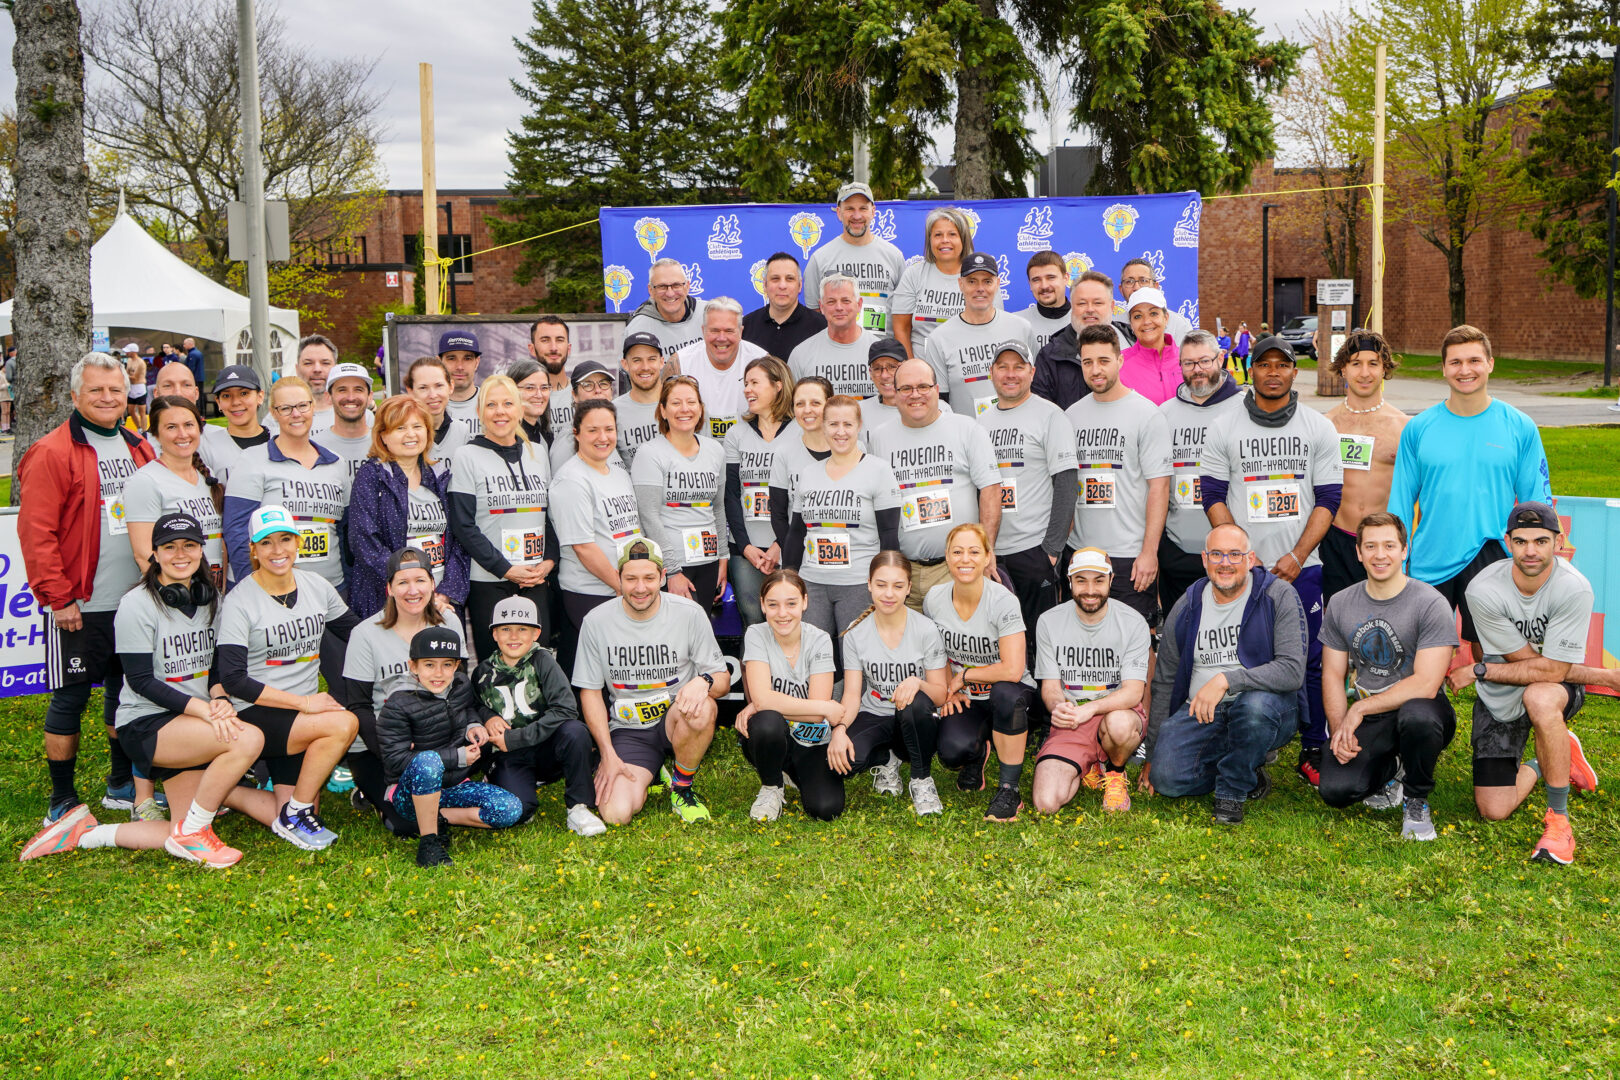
(55, 810)
(341, 781)
(925, 797)
(431, 851)
(1416, 824)
(582, 822)
(662, 783)
(359, 802)
(121, 797)
(1004, 804)
(302, 829)
(1310, 766)
(1581, 775)
(1094, 777)
(202, 847)
(1557, 843)
(970, 777)
(788, 782)
(60, 835)
(886, 778)
(684, 801)
(1140, 753)
(1393, 794)
(148, 810)
(767, 804)
(1229, 811)
(1262, 784)
(1116, 792)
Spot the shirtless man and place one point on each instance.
(1369, 432)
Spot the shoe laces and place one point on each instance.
(685, 793)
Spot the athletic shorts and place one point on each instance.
(86, 655)
(1145, 604)
(1082, 746)
(139, 740)
(276, 724)
(1499, 745)
(646, 746)
(1340, 566)
(1455, 589)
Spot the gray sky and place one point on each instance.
(469, 45)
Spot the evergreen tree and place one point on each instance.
(624, 109)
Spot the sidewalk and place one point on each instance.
(1412, 396)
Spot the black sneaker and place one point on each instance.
(970, 777)
(358, 800)
(1310, 766)
(1262, 786)
(431, 850)
(1004, 804)
(1229, 811)
(444, 831)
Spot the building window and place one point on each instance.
(457, 246)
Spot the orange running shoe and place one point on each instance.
(1557, 844)
(1093, 778)
(1116, 791)
(202, 847)
(61, 835)
(1582, 777)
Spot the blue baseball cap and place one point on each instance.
(459, 341)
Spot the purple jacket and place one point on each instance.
(378, 512)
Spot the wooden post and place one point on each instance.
(1375, 310)
(428, 244)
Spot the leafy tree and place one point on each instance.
(624, 109)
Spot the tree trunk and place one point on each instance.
(51, 316)
(974, 171)
(1456, 285)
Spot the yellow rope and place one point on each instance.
(444, 263)
(1291, 191)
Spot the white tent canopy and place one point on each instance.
(136, 282)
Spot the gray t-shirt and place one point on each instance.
(561, 408)
(840, 519)
(976, 640)
(815, 658)
(671, 336)
(929, 297)
(445, 444)
(182, 650)
(1033, 442)
(941, 469)
(465, 415)
(638, 425)
(792, 459)
(641, 664)
(512, 501)
(1120, 445)
(1091, 661)
(1215, 649)
(1042, 327)
(425, 526)
(219, 451)
(115, 563)
(383, 658)
(961, 353)
(842, 365)
(690, 520)
(876, 267)
(882, 669)
(1187, 525)
(756, 460)
(875, 414)
(589, 508)
(156, 490)
(1382, 637)
(283, 644)
(1555, 621)
(1270, 474)
(316, 498)
(352, 449)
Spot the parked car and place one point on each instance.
(1300, 333)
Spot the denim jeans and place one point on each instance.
(1224, 755)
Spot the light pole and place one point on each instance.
(1265, 260)
(251, 192)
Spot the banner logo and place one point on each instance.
(1004, 272)
(652, 234)
(1185, 233)
(725, 239)
(972, 220)
(694, 278)
(914, 260)
(1035, 234)
(1077, 263)
(1119, 220)
(757, 274)
(806, 231)
(883, 226)
(616, 282)
(1189, 311)
(1155, 259)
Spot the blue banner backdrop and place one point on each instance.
(724, 248)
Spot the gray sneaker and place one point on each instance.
(148, 810)
(925, 798)
(886, 778)
(1392, 795)
(1417, 824)
(767, 804)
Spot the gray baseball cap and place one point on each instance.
(855, 187)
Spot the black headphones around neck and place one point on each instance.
(200, 593)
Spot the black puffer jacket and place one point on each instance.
(413, 720)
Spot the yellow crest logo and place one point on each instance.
(1119, 221)
(806, 231)
(616, 282)
(972, 220)
(1076, 263)
(652, 234)
(756, 274)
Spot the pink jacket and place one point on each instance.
(1155, 376)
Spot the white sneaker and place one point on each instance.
(582, 822)
(767, 804)
(924, 797)
(886, 778)
(1392, 795)
(787, 781)
(1416, 823)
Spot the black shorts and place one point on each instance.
(276, 724)
(1145, 604)
(139, 739)
(1455, 588)
(1177, 571)
(1499, 746)
(1340, 566)
(646, 747)
(86, 655)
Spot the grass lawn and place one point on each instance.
(1305, 943)
(1583, 460)
(1424, 366)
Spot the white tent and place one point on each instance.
(138, 283)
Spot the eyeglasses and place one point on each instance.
(1201, 361)
(884, 369)
(298, 409)
(674, 287)
(920, 388)
(1226, 557)
(1137, 281)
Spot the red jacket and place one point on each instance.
(59, 523)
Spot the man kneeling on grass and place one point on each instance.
(1229, 687)
(648, 671)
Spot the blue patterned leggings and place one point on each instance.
(497, 808)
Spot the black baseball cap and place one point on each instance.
(589, 368)
(436, 642)
(1273, 343)
(459, 341)
(979, 262)
(171, 527)
(237, 375)
(407, 558)
(887, 347)
(1533, 515)
(641, 337)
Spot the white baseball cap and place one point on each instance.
(348, 371)
(1148, 295)
(1090, 558)
(267, 520)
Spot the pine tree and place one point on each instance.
(624, 109)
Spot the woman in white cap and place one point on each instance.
(680, 480)
(750, 447)
(269, 654)
(930, 290)
(174, 726)
(428, 381)
(1151, 367)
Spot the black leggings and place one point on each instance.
(962, 735)
(771, 751)
(567, 752)
(918, 727)
(705, 581)
(576, 605)
(483, 596)
(1418, 731)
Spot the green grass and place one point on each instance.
(1422, 366)
(1584, 460)
(1608, 393)
(1305, 943)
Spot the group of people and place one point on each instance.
(949, 530)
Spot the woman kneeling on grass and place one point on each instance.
(173, 728)
(430, 737)
(791, 717)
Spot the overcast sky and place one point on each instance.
(469, 45)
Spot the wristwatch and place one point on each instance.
(706, 677)
(1479, 671)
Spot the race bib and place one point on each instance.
(117, 517)
(828, 548)
(1185, 492)
(809, 732)
(1099, 491)
(719, 425)
(642, 712)
(520, 546)
(1356, 451)
(757, 502)
(315, 542)
(431, 545)
(925, 511)
(701, 544)
(875, 319)
(1009, 495)
(982, 405)
(1273, 502)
